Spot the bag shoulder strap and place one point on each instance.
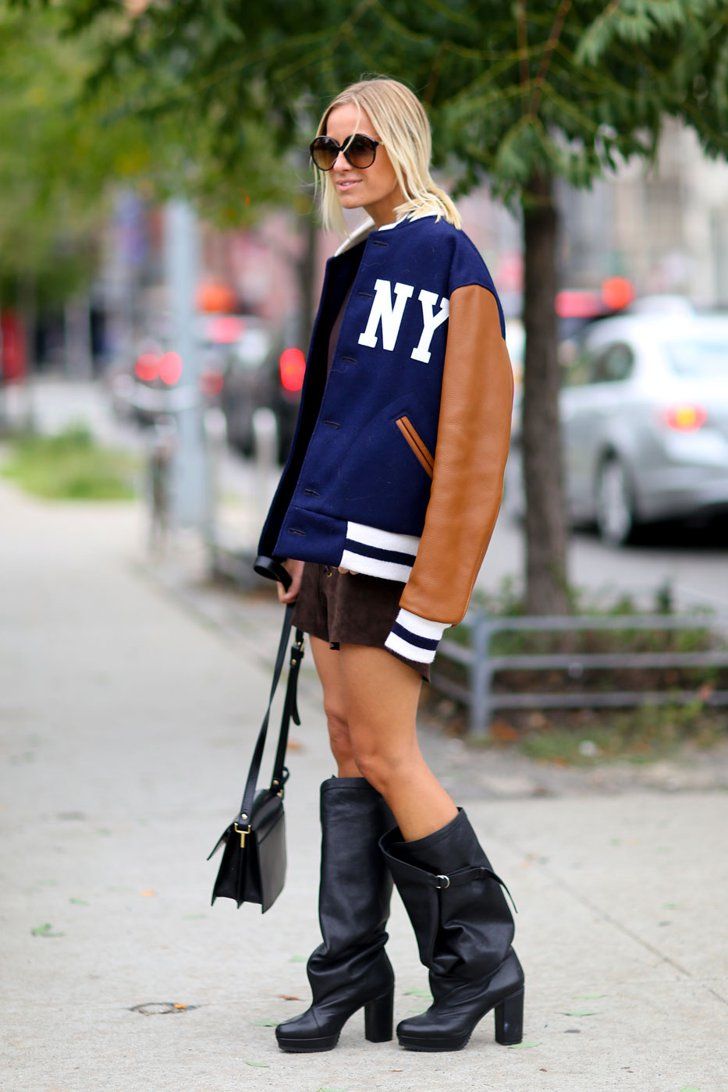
(290, 708)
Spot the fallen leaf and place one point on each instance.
(180, 1005)
(298, 959)
(149, 893)
(523, 1046)
(502, 730)
(577, 1012)
(45, 930)
(78, 902)
(257, 1065)
(289, 997)
(418, 993)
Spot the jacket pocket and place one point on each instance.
(416, 443)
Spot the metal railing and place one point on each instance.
(481, 700)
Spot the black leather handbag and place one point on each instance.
(253, 865)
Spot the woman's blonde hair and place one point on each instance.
(400, 120)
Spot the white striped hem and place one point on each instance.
(386, 540)
(374, 566)
(414, 625)
(422, 627)
(412, 652)
(375, 552)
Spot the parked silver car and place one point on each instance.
(644, 411)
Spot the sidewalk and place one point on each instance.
(127, 721)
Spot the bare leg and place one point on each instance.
(380, 696)
(328, 669)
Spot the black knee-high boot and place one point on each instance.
(464, 930)
(350, 968)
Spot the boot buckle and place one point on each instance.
(441, 886)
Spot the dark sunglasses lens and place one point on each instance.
(361, 152)
(324, 152)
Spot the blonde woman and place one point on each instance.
(382, 516)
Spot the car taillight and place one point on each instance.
(291, 367)
(170, 368)
(146, 367)
(211, 383)
(684, 416)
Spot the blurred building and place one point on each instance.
(665, 227)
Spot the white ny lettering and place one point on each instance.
(389, 315)
(430, 322)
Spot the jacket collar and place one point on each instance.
(367, 228)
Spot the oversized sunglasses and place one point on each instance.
(360, 151)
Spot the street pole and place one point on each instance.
(190, 503)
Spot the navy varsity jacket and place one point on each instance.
(397, 460)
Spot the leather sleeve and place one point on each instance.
(473, 439)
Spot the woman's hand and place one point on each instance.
(295, 568)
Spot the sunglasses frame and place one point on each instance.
(345, 150)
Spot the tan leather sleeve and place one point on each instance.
(473, 438)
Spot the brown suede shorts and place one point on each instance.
(354, 609)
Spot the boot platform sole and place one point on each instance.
(508, 1015)
(431, 1044)
(308, 1046)
(378, 1028)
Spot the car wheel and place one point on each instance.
(615, 506)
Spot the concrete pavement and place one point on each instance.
(127, 722)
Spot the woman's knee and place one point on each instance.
(384, 767)
(339, 734)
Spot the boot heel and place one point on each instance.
(509, 1020)
(379, 1018)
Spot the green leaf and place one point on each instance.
(522, 1046)
(578, 1012)
(78, 902)
(418, 993)
(257, 1065)
(45, 930)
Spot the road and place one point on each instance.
(695, 564)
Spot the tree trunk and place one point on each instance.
(543, 477)
(307, 277)
(77, 336)
(29, 312)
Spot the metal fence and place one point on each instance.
(481, 700)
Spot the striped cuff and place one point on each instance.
(414, 637)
